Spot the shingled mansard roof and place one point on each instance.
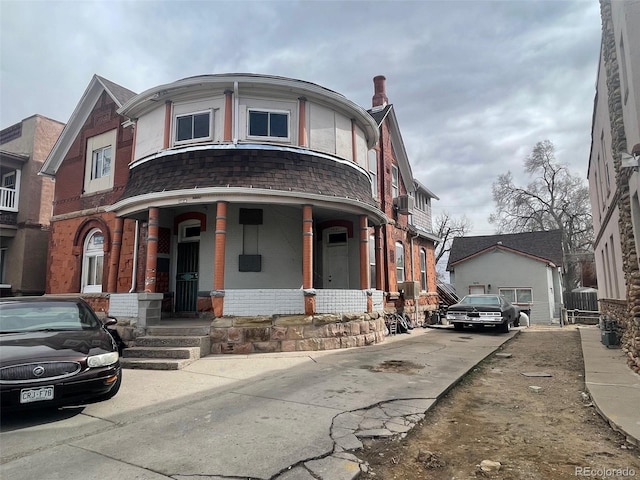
(542, 245)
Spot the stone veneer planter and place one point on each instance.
(295, 333)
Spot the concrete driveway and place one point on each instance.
(270, 416)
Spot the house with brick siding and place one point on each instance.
(25, 204)
(244, 199)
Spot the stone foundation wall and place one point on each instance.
(630, 325)
(244, 335)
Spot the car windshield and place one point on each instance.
(17, 317)
(489, 300)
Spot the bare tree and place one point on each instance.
(555, 199)
(447, 228)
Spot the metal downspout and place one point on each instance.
(236, 108)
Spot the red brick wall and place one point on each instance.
(70, 176)
(66, 242)
(397, 231)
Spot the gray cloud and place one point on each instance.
(475, 84)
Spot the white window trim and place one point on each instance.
(515, 293)
(372, 261)
(93, 185)
(400, 264)
(286, 139)
(97, 288)
(423, 273)
(395, 181)
(95, 155)
(182, 238)
(10, 197)
(176, 116)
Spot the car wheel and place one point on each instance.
(505, 327)
(458, 326)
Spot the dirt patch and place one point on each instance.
(535, 427)
(396, 366)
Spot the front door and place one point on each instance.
(336, 258)
(187, 277)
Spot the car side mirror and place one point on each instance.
(109, 321)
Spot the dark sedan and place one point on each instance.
(54, 351)
(483, 309)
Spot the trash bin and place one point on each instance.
(609, 335)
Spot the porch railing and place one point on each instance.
(8, 199)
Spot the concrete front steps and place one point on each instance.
(167, 348)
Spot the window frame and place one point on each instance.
(372, 262)
(192, 114)
(400, 271)
(97, 143)
(423, 270)
(183, 231)
(269, 137)
(100, 151)
(89, 255)
(395, 181)
(14, 174)
(515, 290)
(3, 267)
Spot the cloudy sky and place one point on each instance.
(475, 84)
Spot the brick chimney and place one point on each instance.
(379, 92)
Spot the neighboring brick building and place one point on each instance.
(240, 195)
(614, 181)
(25, 204)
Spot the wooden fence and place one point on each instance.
(581, 301)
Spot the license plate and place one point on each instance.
(28, 395)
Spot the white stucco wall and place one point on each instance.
(608, 257)
(279, 243)
(502, 269)
(329, 130)
(150, 133)
(344, 139)
(321, 128)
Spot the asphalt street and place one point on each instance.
(269, 416)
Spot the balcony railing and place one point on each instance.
(8, 199)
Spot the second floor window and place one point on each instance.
(9, 180)
(395, 190)
(373, 171)
(270, 124)
(193, 126)
(101, 163)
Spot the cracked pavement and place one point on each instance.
(270, 416)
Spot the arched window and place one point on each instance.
(92, 262)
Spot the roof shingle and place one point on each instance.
(546, 245)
